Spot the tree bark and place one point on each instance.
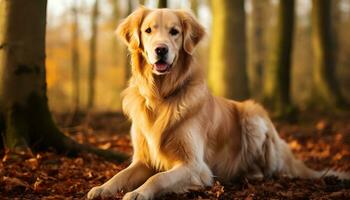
(257, 47)
(114, 20)
(277, 82)
(75, 59)
(2, 127)
(27, 121)
(227, 67)
(115, 10)
(194, 6)
(162, 3)
(127, 63)
(2, 45)
(93, 56)
(326, 88)
(142, 2)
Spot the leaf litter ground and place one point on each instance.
(322, 142)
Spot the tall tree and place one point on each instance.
(93, 56)
(26, 119)
(2, 16)
(1, 21)
(257, 45)
(162, 3)
(115, 10)
(326, 88)
(277, 80)
(2, 45)
(194, 6)
(127, 64)
(75, 57)
(227, 67)
(114, 20)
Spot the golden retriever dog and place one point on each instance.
(183, 136)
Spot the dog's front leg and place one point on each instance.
(179, 179)
(127, 180)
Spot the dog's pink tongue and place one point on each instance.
(161, 66)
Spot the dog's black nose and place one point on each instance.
(161, 51)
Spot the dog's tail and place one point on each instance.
(340, 174)
(263, 149)
(294, 167)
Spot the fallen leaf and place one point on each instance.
(12, 183)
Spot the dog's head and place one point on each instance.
(162, 35)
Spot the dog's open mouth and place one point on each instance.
(162, 66)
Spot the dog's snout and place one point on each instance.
(161, 51)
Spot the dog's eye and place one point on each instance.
(148, 30)
(173, 32)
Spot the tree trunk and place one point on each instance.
(2, 45)
(227, 67)
(115, 18)
(2, 128)
(115, 10)
(2, 120)
(27, 121)
(326, 88)
(1, 21)
(75, 59)
(194, 6)
(93, 56)
(257, 51)
(277, 82)
(162, 3)
(127, 63)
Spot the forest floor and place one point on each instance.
(323, 142)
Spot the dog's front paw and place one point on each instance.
(100, 191)
(134, 195)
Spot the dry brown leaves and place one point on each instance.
(321, 144)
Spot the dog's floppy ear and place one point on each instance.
(129, 29)
(193, 31)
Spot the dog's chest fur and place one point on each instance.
(158, 136)
(152, 142)
(149, 147)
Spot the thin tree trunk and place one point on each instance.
(257, 50)
(127, 64)
(162, 3)
(93, 56)
(194, 6)
(2, 128)
(116, 10)
(326, 88)
(115, 18)
(277, 82)
(142, 2)
(2, 15)
(27, 121)
(227, 67)
(2, 45)
(75, 59)
(336, 17)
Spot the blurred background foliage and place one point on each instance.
(83, 51)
